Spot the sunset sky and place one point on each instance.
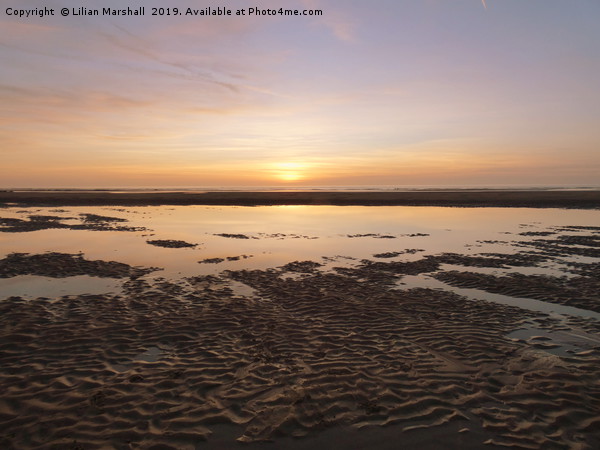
(391, 92)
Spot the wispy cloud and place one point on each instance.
(335, 18)
(136, 45)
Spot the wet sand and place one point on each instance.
(462, 198)
(301, 356)
(302, 362)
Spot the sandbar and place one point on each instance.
(584, 199)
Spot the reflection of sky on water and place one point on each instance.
(562, 343)
(32, 286)
(283, 234)
(424, 281)
(559, 343)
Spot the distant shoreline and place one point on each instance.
(583, 199)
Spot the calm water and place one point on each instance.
(276, 235)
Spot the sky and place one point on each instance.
(371, 92)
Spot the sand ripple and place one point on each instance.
(169, 363)
(581, 292)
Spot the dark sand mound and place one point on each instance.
(234, 236)
(499, 260)
(61, 265)
(171, 243)
(408, 251)
(567, 245)
(90, 222)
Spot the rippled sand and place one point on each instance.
(338, 352)
(178, 364)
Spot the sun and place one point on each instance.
(290, 171)
(290, 176)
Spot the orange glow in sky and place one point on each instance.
(403, 93)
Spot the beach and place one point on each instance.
(300, 225)
(462, 198)
(300, 320)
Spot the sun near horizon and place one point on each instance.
(291, 171)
